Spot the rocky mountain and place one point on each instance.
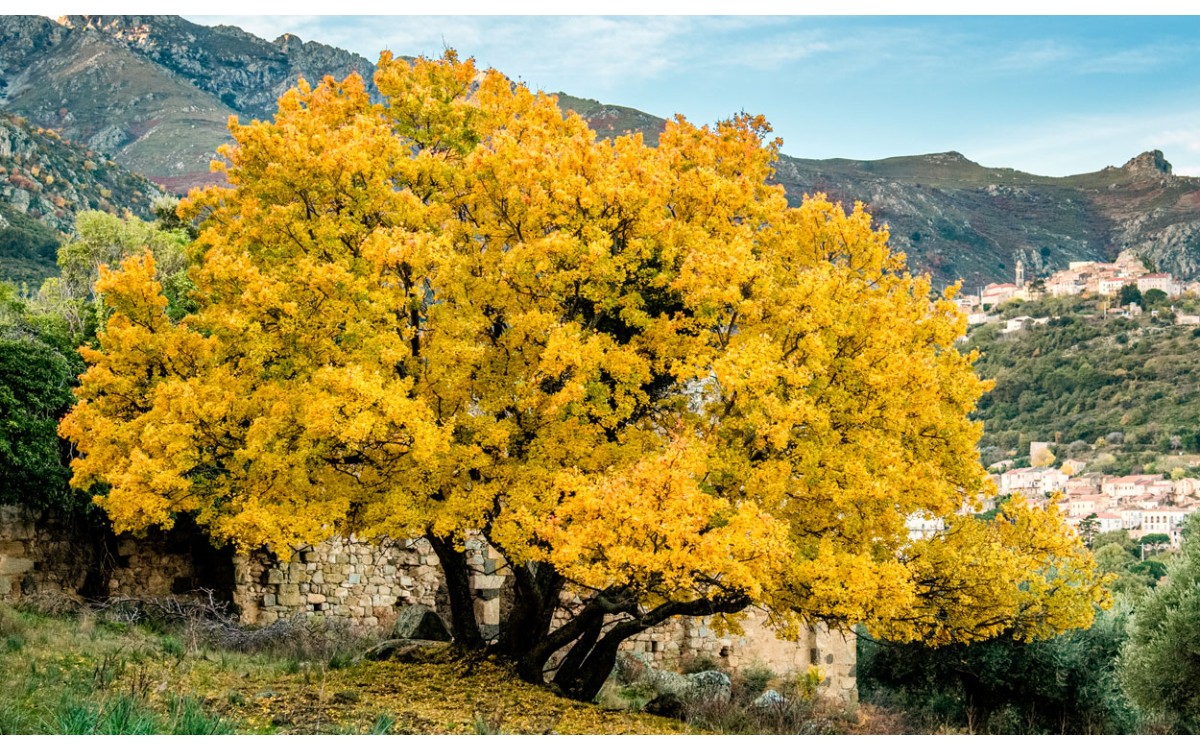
(155, 92)
(96, 91)
(609, 120)
(44, 181)
(247, 74)
(958, 219)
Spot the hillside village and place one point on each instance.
(1140, 504)
(1092, 501)
(1079, 278)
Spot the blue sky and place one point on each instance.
(1049, 95)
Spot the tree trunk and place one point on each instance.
(458, 586)
(536, 598)
(588, 665)
(97, 530)
(582, 677)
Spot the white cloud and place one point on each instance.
(1079, 144)
(1134, 60)
(1034, 55)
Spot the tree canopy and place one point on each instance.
(1160, 667)
(38, 366)
(636, 372)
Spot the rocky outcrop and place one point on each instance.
(246, 73)
(51, 179)
(1148, 162)
(45, 181)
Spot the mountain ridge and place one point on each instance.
(172, 84)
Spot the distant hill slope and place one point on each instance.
(96, 91)
(958, 219)
(246, 73)
(1084, 376)
(155, 92)
(610, 120)
(44, 181)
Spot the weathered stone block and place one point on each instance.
(12, 566)
(12, 549)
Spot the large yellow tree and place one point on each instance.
(635, 371)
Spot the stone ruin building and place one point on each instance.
(359, 583)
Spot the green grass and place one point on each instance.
(85, 674)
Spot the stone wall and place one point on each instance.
(364, 584)
(40, 552)
(344, 579)
(682, 641)
(361, 584)
(181, 562)
(45, 553)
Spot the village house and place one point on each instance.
(1160, 281)
(1131, 518)
(1112, 285)
(1065, 284)
(1130, 486)
(1084, 484)
(1167, 521)
(1033, 481)
(1023, 322)
(1085, 505)
(994, 294)
(1185, 488)
(1109, 522)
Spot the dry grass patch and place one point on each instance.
(93, 673)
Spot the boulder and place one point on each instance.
(666, 705)
(407, 651)
(420, 623)
(770, 699)
(709, 685)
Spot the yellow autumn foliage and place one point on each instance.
(457, 311)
